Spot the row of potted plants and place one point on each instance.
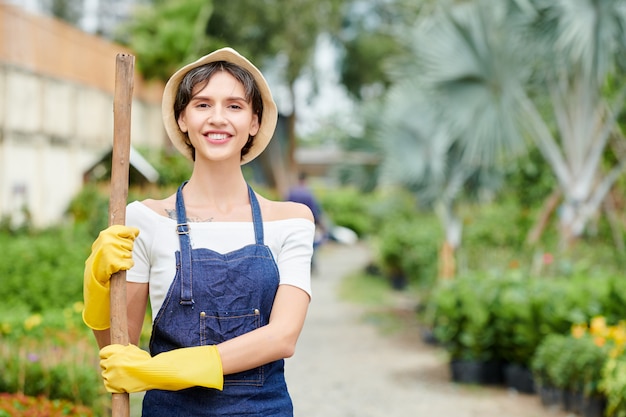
(584, 371)
(526, 333)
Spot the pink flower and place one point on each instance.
(548, 258)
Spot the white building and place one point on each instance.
(56, 112)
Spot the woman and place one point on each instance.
(227, 271)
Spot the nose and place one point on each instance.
(217, 116)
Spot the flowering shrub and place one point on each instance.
(588, 363)
(20, 405)
(613, 386)
(612, 382)
(49, 354)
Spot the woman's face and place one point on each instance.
(219, 119)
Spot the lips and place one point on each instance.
(217, 137)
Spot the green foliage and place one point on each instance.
(272, 28)
(371, 44)
(529, 180)
(405, 240)
(482, 222)
(547, 353)
(90, 207)
(51, 354)
(461, 314)
(530, 309)
(613, 386)
(516, 313)
(570, 363)
(370, 51)
(173, 168)
(167, 35)
(347, 207)
(69, 381)
(517, 321)
(409, 247)
(43, 270)
(171, 33)
(20, 405)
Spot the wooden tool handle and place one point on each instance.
(120, 165)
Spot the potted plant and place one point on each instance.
(586, 359)
(392, 248)
(545, 376)
(517, 324)
(570, 366)
(613, 386)
(462, 319)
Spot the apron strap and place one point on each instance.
(257, 219)
(182, 228)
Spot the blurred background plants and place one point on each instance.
(482, 165)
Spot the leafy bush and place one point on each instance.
(20, 405)
(51, 354)
(409, 248)
(583, 362)
(461, 315)
(516, 313)
(43, 270)
(578, 366)
(90, 207)
(613, 386)
(173, 168)
(45, 349)
(493, 225)
(547, 353)
(347, 207)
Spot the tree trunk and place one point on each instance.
(549, 206)
(447, 262)
(453, 230)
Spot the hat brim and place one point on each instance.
(270, 112)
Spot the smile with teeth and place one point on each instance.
(217, 136)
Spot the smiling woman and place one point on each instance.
(226, 271)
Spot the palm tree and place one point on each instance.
(424, 155)
(500, 72)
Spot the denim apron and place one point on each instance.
(215, 297)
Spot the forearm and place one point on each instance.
(254, 349)
(136, 301)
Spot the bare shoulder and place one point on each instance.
(283, 210)
(165, 207)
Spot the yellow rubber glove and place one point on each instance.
(130, 369)
(111, 252)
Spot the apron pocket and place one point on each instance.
(217, 327)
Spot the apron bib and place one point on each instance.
(215, 297)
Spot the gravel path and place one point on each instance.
(343, 367)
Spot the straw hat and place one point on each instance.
(268, 120)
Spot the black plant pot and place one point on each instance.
(550, 395)
(572, 401)
(593, 406)
(520, 378)
(477, 372)
(429, 337)
(398, 281)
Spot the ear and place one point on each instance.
(182, 125)
(254, 125)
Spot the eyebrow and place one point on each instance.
(232, 98)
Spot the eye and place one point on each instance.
(202, 106)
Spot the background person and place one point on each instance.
(302, 193)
